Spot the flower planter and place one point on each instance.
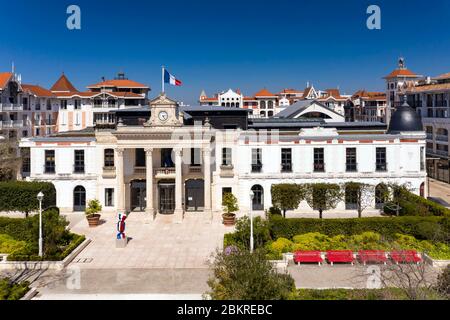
(229, 220)
(93, 220)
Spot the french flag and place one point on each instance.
(168, 78)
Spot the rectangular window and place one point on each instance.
(37, 105)
(226, 190)
(140, 157)
(79, 161)
(63, 104)
(109, 158)
(226, 156)
(49, 105)
(380, 159)
(319, 160)
(109, 197)
(195, 156)
(77, 104)
(286, 160)
(256, 160)
(49, 166)
(350, 160)
(422, 158)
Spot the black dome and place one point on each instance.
(405, 119)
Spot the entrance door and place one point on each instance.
(138, 193)
(166, 197)
(195, 195)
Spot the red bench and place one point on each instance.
(378, 256)
(344, 256)
(308, 256)
(404, 256)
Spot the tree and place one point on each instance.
(9, 160)
(287, 196)
(396, 193)
(362, 193)
(229, 202)
(323, 196)
(443, 283)
(241, 275)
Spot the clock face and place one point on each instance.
(163, 115)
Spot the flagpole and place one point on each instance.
(162, 78)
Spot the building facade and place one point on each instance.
(431, 99)
(167, 159)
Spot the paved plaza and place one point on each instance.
(153, 244)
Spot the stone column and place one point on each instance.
(120, 180)
(149, 185)
(178, 187)
(207, 180)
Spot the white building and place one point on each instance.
(165, 159)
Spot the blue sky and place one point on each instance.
(216, 45)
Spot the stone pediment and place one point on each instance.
(164, 113)
(162, 99)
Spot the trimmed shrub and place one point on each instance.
(241, 275)
(386, 227)
(241, 236)
(58, 241)
(12, 291)
(9, 246)
(21, 195)
(351, 294)
(414, 205)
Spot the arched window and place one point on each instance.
(232, 104)
(79, 198)
(262, 113)
(422, 189)
(258, 197)
(381, 194)
(270, 113)
(262, 104)
(228, 104)
(351, 198)
(270, 104)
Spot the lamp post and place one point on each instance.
(40, 196)
(251, 221)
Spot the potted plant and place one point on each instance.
(229, 202)
(91, 211)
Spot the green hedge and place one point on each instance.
(351, 294)
(12, 291)
(423, 228)
(414, 205)
(21, 195)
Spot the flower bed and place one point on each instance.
(19, 237)
(364, 241)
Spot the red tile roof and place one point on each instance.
(37, 90)
(264, 93)
(401, 73)
(4, 78)
(369, 95)
(290, 91)
(443, 76)
(63, 85)
(120, 83)
(431, 87)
